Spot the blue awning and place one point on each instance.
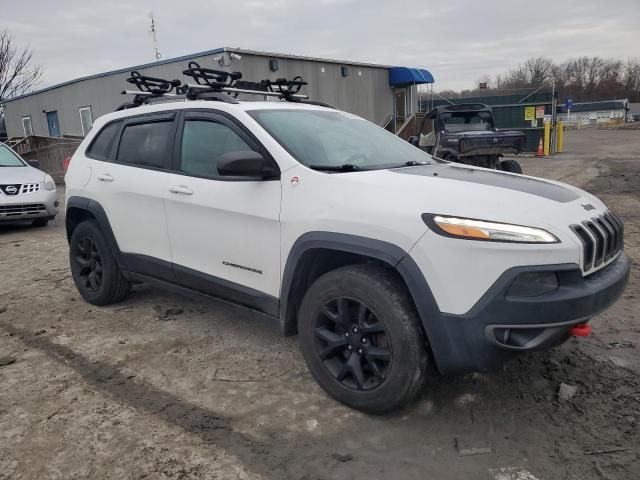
(403, 76)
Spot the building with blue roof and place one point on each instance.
(384, 94)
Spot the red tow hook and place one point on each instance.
(580, 330)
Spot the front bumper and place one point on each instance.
(30, 206)
(500, 326)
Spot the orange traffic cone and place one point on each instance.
(540, 149)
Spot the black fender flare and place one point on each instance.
(97, 211)
(441, 344)
(126, 261)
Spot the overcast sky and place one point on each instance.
(458, 41)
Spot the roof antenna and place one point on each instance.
(152, 34)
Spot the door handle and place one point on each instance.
(105, 177)
(180, 189)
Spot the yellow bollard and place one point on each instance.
(547, 137)
(560, 137)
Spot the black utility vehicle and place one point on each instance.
(466, 133)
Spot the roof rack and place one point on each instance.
(289, 89)
(158, 86)
(212, 84)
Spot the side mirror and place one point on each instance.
(34, 163)
(414, 140)
(245, 163)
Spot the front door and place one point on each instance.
(54, 126)
(224, 232)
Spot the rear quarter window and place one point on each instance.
(100, 147)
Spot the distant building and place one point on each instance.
(593, 113)
(383, 94)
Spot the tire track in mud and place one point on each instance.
(214, 429)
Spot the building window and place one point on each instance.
(27, 127)
(86, 120)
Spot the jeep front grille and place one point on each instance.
(601, 238)
(21, 209)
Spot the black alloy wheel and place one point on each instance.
(94, 268)
(90, 263)
(353, 344)
(361, 339)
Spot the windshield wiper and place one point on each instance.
(414, 163)
(411, 163)
(348, 167)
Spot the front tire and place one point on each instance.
(93, 266)
(361, 339)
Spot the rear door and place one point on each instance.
(129, 182)
(224, 232)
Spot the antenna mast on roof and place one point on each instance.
(152, 34)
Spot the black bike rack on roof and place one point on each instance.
(156, 86)
(288, 88)
(216, 79)
(210, 84)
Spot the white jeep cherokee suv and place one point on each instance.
(386, 261)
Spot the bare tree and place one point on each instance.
(631, 80)
(448, 94)
(584, 79)
(534, 72)
(17, 74)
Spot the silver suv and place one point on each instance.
(26, 193)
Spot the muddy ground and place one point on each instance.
(164, 387)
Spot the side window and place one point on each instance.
(203, 142)
(101, 145)
(145, 144)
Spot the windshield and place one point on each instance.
(321, 139)
(465, 121)
(9, 159)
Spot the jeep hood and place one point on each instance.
(471, 192)
(493, 178)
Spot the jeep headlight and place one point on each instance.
(471, 229)
(49, 184)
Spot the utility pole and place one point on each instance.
(154, 40)
(553, 116)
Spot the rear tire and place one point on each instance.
(511, 166)
(361, 338)
(93, 266)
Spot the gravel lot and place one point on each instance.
(164, 387)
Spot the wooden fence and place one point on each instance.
(49, 151)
